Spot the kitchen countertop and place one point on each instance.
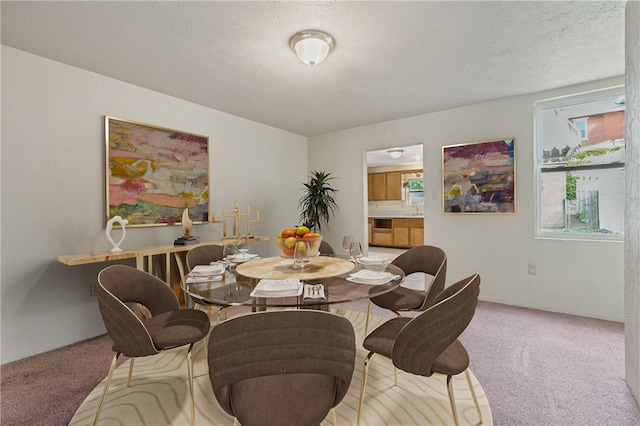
(396, 215)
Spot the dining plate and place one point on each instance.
(241, 258)
(286, 292)
(203, 279)
(373, 260)
(278, 285)
(371, 277)
(206, 270)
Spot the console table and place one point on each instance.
(144, 255)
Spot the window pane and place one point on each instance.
(581, 167)
(586, 201)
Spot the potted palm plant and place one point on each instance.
(318, 202)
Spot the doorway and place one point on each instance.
(394, 189)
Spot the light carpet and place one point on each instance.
(159, 393)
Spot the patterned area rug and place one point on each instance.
(159, 393)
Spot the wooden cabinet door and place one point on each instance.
(378, 183)
(416, 237)
(370, 187)
(382, 237)
(394, 185)
(401, 237)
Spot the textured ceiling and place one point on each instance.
(392, 59)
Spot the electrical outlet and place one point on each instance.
(532, 269)
(92, 289)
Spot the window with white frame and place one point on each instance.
(580, 146)
(581, 125)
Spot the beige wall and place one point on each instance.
(632, 211)
(53, 186)
(578, 277)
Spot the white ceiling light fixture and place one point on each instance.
(395, 152)
(312, 46)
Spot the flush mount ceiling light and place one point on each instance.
(395, 153)
(311, 46)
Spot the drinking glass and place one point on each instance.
(229, 251)
(355, 251)
(243, 246)
(301, 254)
(346, 242)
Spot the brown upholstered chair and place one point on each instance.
(428, 343)
(201, 255)
(204, 255)
(286, 367)
(167, 327)
(326, 249)
(428, 259)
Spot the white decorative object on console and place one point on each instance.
(122, 222)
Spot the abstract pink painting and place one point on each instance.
(479, 177)
(154, 173)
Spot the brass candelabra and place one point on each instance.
(237, 216)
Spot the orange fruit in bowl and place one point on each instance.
(288, 233)
(288, 251)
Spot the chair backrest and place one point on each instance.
(121, 284)
(281, 367)
(326, 249)
(426, 336)
(430, 260)
(204, 255)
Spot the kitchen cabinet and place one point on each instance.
(378, 186)
(408, 232)
(382, 232)
(382, 237)
(385, 186)
(394, 186)
(396, 232)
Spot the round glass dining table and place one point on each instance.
(329, 276)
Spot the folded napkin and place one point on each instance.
(243, 256)
(206, 270)
(368, 274)
(204, 279)
(373, 259)
(313, 292)
(278, 285)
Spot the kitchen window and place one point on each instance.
(415, 191)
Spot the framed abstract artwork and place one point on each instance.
(154, 173)
(479, 177)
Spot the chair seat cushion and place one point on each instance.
(381, 339)
(286, 399)
(454, 360)
(177, 328)
(399, 299)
